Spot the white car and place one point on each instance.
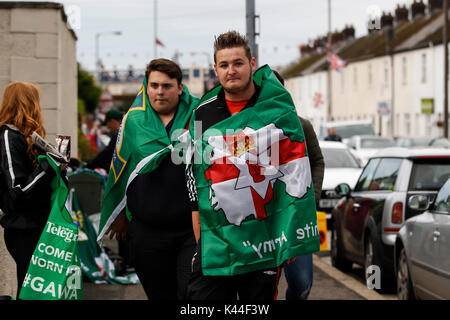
(365, 146)
(341, 165)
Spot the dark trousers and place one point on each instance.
(257, 285)
(162, 259)
(21, 245)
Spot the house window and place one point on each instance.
(424, 68)
(404, 71)
(369, 73)
(196, 73)
(355, 78)
(407, 124)
(386, 74)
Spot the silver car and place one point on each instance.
(422, 249)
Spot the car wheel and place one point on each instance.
(337, 256)
(404, 283)
(371, 258)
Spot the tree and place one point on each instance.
(88, 91)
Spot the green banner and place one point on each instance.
(254, 185)
(96, 265)
(54, 272)
(142, 143)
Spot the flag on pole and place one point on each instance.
(141, 145)
(255, 193)
(159, 43)
(335, 62)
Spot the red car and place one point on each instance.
(368, 218)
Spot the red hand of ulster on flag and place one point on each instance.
(245, 166)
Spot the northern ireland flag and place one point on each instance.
(254, 185)
(244, 168)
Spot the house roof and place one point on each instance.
(375, 45)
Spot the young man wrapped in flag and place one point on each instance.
(146, 198)
(249, 181)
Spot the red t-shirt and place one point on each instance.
(236, 106)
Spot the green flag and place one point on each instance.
(141, 145)
(254, 185)
(96, 265)
(54, 272)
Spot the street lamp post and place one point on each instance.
(97, 51)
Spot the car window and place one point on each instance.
(365, 179)
(429, 174)
(376, 143)
(442, 142)
(442, 202)
(347, 131)
(339, 158)
(417, 142)
(386, 174)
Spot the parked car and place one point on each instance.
(347, 129)
(367, 219)
(408, 142)
(366, 146)
(341, 165)
(422, 249)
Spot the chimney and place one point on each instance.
(305, 50)
(387, 20)
(337, 37)
(349, 32)
(417, 10)
(435, 6)
(401, 15)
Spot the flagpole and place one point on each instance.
(155, 28)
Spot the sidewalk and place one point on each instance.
(329, 284)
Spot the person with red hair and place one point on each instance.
(25, 190)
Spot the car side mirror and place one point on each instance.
(343, 189)
(419, 202)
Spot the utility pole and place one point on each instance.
(389, 37)
(329, 114)
(251, 27)
(155, 28)
(445, 43)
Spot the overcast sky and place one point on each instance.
(189, 27)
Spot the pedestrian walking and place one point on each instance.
(113, 119)
(300, 273)
(239, 204)
(146, 199)
(25, 190)
(333, 136)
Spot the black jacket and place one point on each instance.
(316, 160)
(159, 198)
(24, 189)
(103, 159)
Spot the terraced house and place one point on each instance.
(393, 76)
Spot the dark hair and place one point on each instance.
(166, 66)
(231, 39)
(279, 77)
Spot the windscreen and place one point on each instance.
(348, 131)
(339, 158)
(376, 143)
